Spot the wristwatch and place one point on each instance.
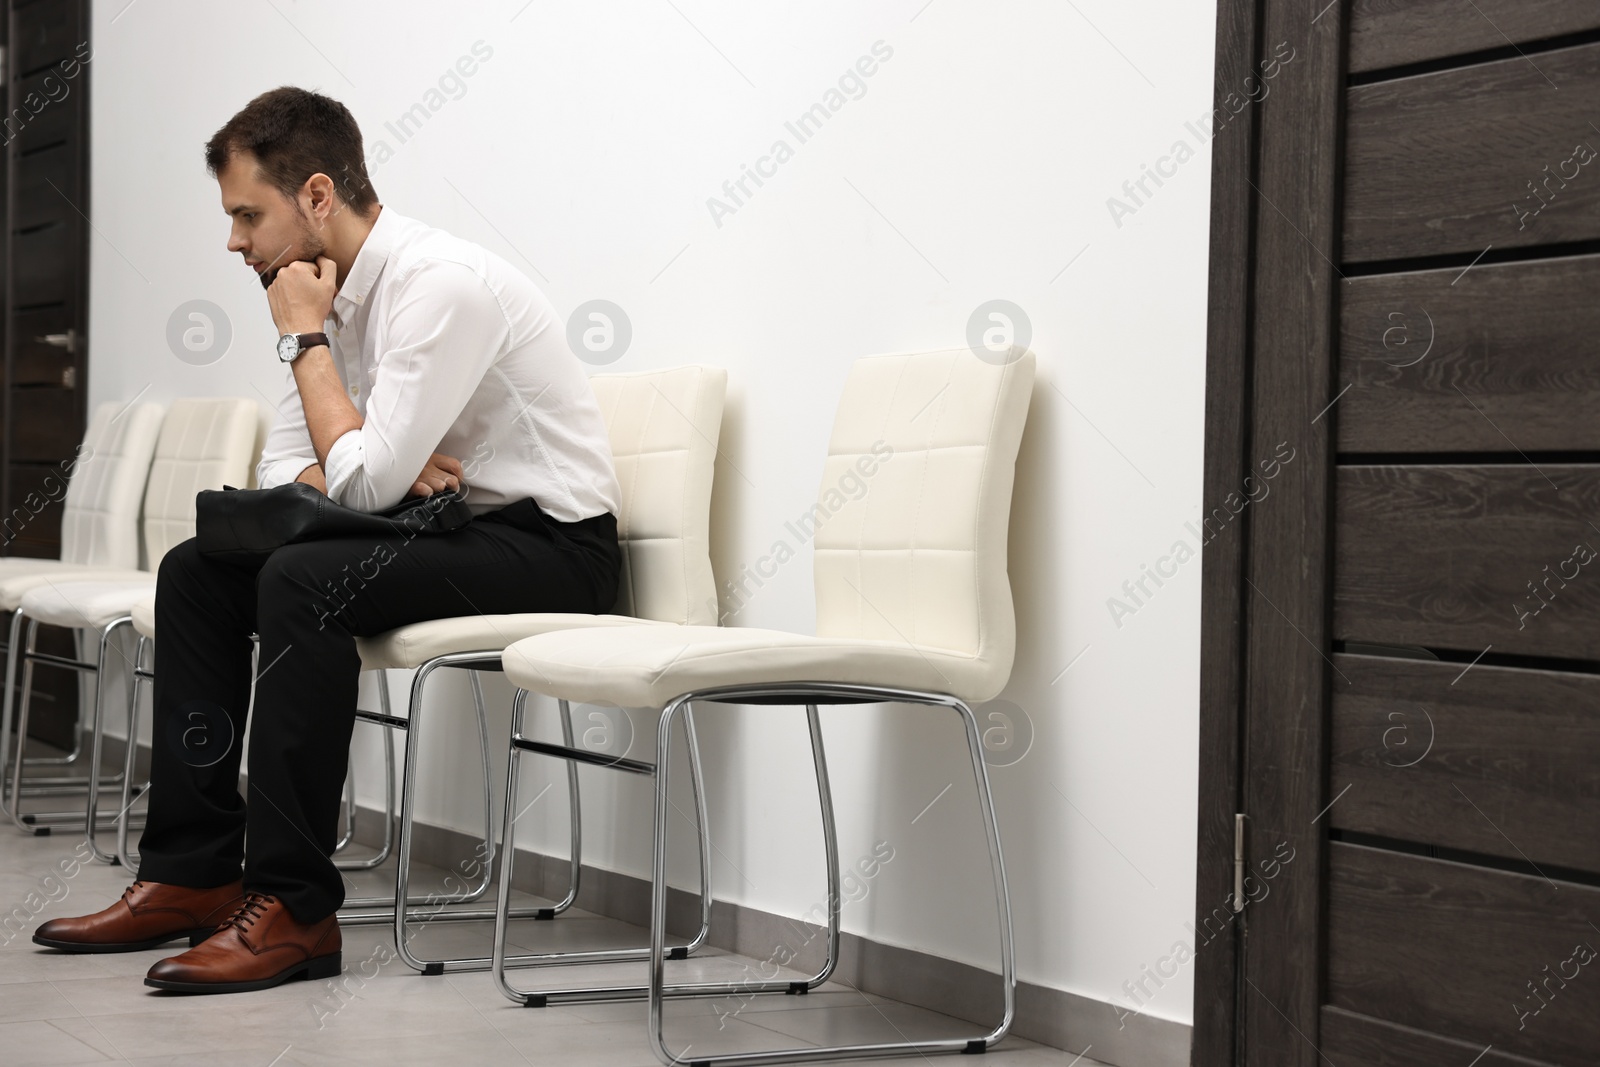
(290, 345)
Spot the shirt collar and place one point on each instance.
(371, 257)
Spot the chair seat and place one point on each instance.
(12, 566)
(646, 667)
(415, 644)
(89, 604)
(144, 615)
(13, 589)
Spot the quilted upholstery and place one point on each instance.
(664, 427)
(910, 555)
(205, 443)
(100, 515)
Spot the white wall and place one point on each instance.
(976, 165)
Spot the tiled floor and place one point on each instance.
(60, 1009)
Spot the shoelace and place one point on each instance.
(244, 915)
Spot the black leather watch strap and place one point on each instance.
(311, 340)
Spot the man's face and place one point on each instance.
(268, 231)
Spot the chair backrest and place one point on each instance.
(105, 483)
(663, 427)
(912, 515)
(205, 442)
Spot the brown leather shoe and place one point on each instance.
(260, 945)
(149, 915)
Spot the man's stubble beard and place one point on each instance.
(311, 245)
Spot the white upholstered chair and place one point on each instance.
(204, 443)
(663, 426)
(913, 605)
(105, 483)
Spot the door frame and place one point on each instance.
(59, 700)
(1265, 604)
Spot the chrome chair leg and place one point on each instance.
(997, 868)
(6, 715)
(382, 855)
(499, 961)
(15, 808)
(97, 740)
(703, 820)
(445, 906)
(77, 727)
(388, 776)
(475, 682)
(406, 811)
(575, 819)
(41, 823)
(394, 723)
(659, 990)
(37, 785)
(129, 757)
(434, 967)
(349, 808)
(439, 903)
(6, 703)
(73, 754)
(830, 836)
(388, 798)
(575, 829)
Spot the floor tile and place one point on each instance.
(37, 1043)
(32, 1000)
(864, 1024)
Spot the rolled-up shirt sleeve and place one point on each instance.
(287, 450)
(444, 333)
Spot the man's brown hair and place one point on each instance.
(295, 133)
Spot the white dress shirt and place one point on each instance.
(445, 347)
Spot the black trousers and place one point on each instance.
(309, 602)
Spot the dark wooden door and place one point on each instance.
(45, 130)
(1401, 647)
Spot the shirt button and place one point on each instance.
(353, 390)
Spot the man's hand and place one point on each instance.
(439, 473)
(301, 296)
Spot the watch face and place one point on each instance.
(288, 347)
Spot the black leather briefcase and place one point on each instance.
(247, 525)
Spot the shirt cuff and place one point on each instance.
(345, 459)
(282, 471)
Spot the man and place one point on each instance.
(410, 351)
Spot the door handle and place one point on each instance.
(68, 340)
